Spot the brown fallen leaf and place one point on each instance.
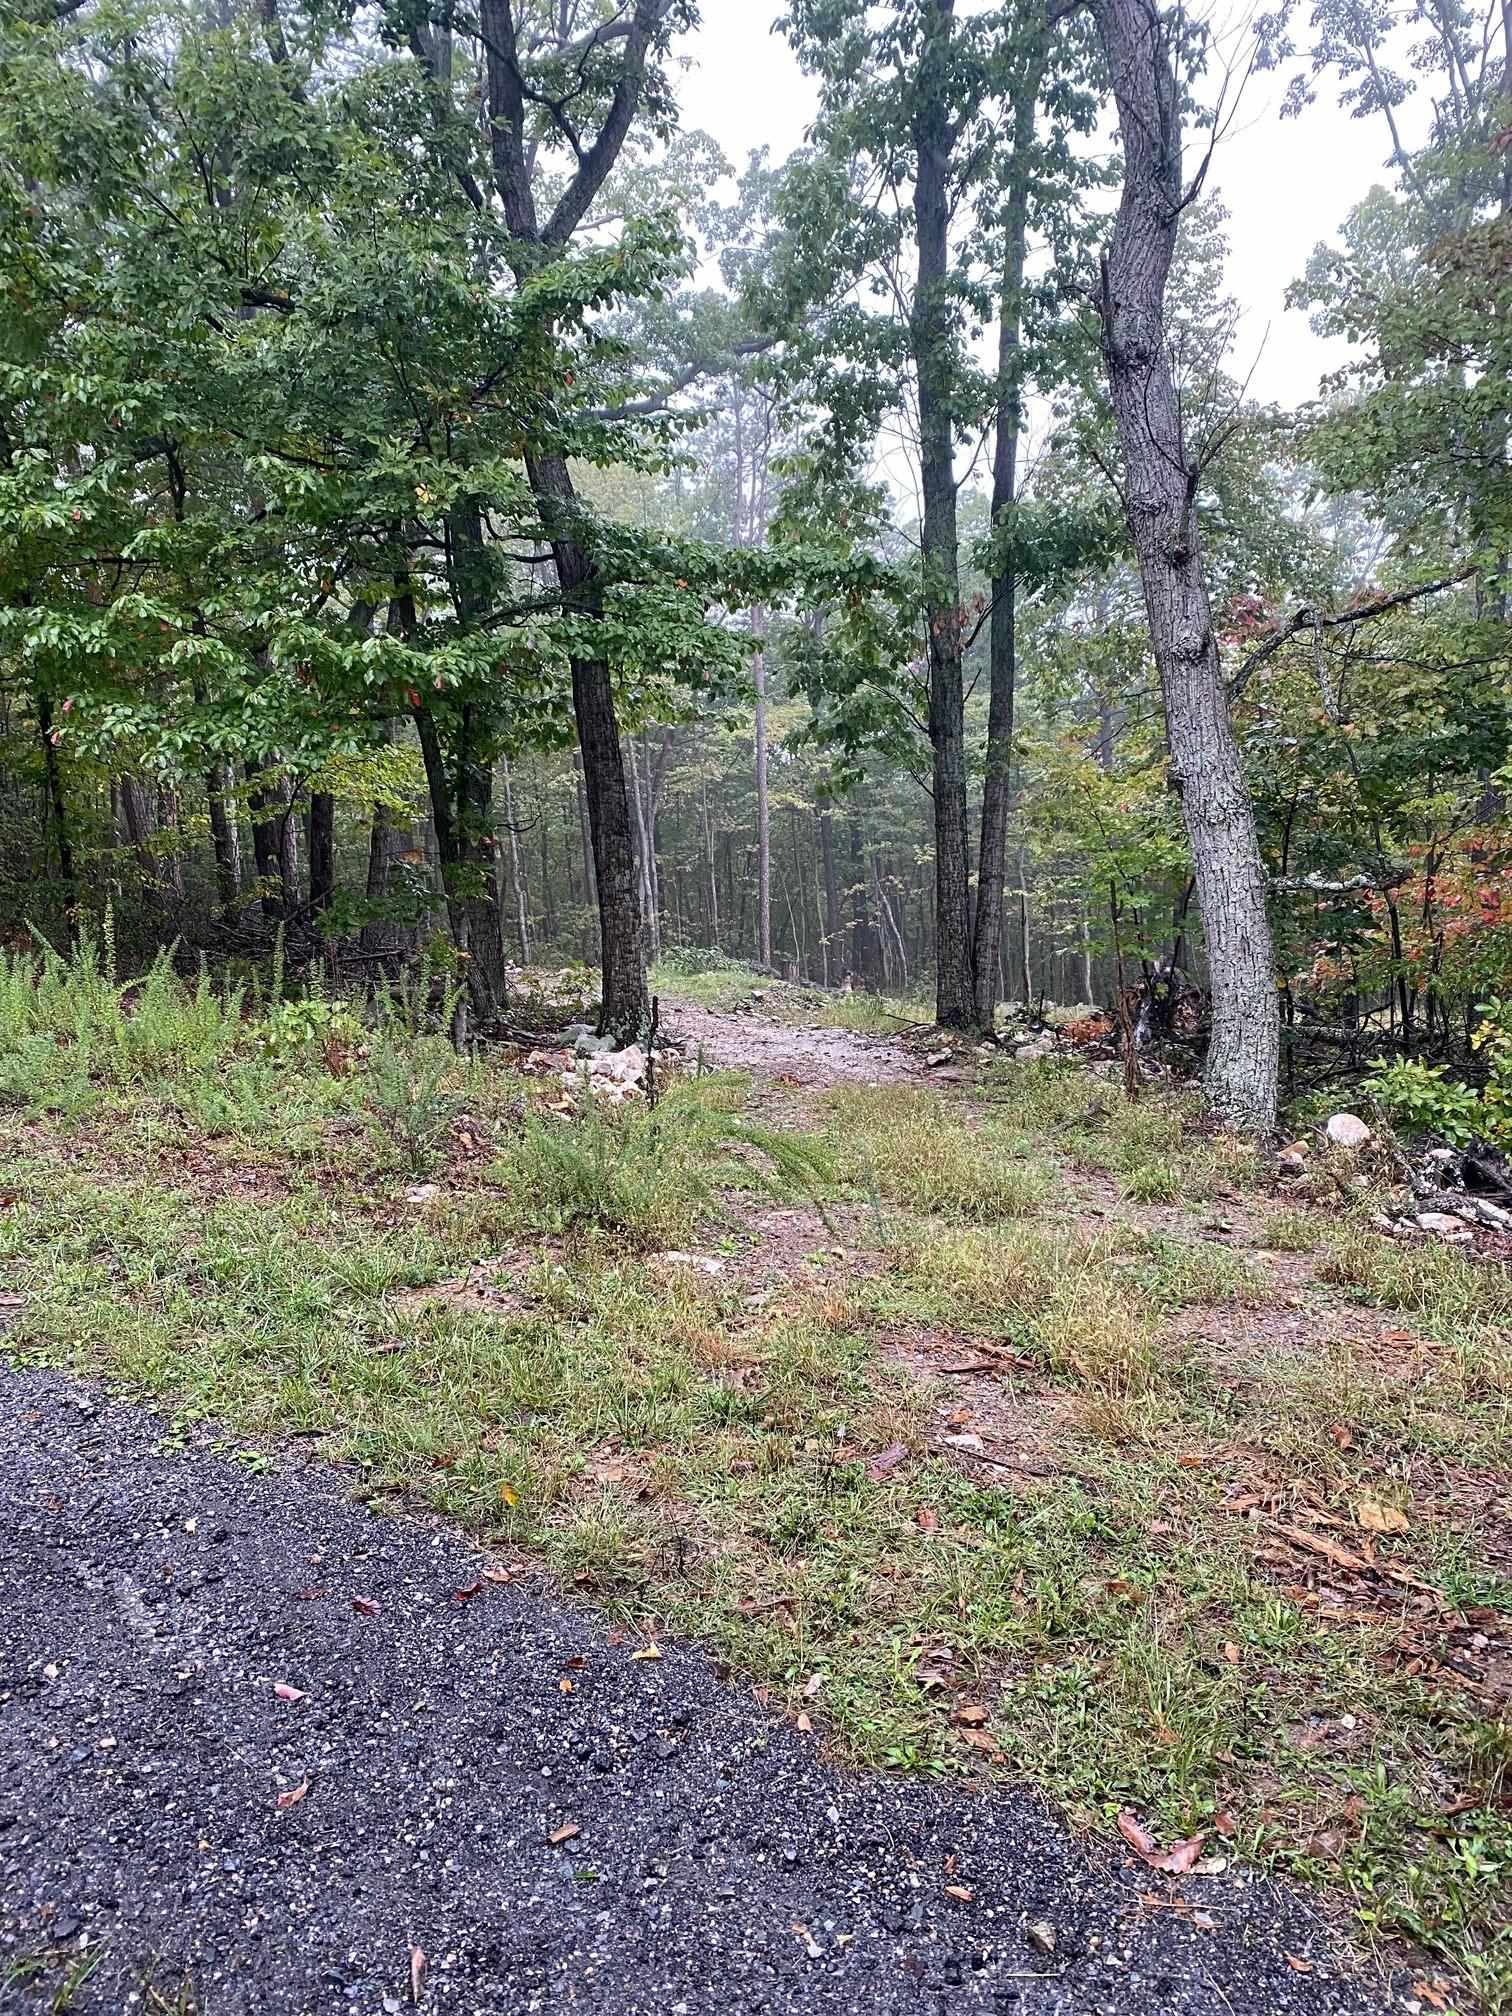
(308, 1595)
(887, 1460)
(1138, 1836)
(652, 1651)
(1374, 1517)
(927, 1519)
(496, 1574)
(467, 1592)
(285, 1692)
(564, 1686)
(568, 1831)
(293, 1796)
(961, 1891)
(812, 1685)
(1340, 1436)
(1177, 1860)
(971, 1715)
(1223, 1823)
(417, 1974)
(1232, 1653)
(1298, 1964)
(805, 1724)
(365, 1606)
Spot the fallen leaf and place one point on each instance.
(1138, 1836)
(564, 1686)
(652, 1651)
(365, 1606)
(293, 1796)
(1223, 1823)
(1340, 1436)
(971, 1715)
(1177, 1860)
(1298, 1964)
(806, 1725)
(287, 1693)
(467, 1592)
(417, 1974)
(566, 1832)
(927, 1519)
(961, 1891)
(1435, 1993)
(509, 1494)
(812, 1685)
(1374, 1517)
(307, 1595)
(1232, 1653)
(496, 1574)
(888, 1459)
(1204, 1921)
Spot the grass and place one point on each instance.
(1132, 1616)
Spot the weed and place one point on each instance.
(901, 1144)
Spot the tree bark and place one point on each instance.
(1160, 486)
(57, 811)
(322, 844)
(1002, 645)
(763, 807)
(934, 362)
(223, 840)
(265, 833)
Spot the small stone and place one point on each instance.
(1348, 1131)
(1444, 1225)
(1041, 1935)
(935, 1059)
(421, 1193)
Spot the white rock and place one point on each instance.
(936, 1058)
(589, 1045)
(421, 1194)
(702, 1263)
(1444, 1226)
(1348, 1130)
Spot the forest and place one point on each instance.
(755, 1007)
(452, 514)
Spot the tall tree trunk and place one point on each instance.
(388, 843)
(832, 947)
(932, 340)
(516, 863)
(322, 846)
(1160, 486)
(763, 807)
(708, 835)
(223, 841)
(585, 835)
(1003, 657)
(264, 808)
(57, 813)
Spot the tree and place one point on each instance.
(1160, 485)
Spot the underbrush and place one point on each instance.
(730, 986)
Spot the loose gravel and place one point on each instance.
(495, 1782)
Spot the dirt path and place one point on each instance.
(486, 1775)
(797, 1053)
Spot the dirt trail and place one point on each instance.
(798, 1053)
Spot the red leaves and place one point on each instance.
(1139, 1838)
(293, 1796)
(467, 1592)
(365, 1606)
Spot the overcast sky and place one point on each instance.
(1286, 184)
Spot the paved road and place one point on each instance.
(149, 1603)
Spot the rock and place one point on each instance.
(936, 1058)
(1443, 1225)
(702, 1263)
(1348, 1131)
(422, 1193)
(1290, 1164)
(589, 1045)
(1041, 1935)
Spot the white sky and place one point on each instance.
(1286, 184)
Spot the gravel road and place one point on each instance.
(495, 1783)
